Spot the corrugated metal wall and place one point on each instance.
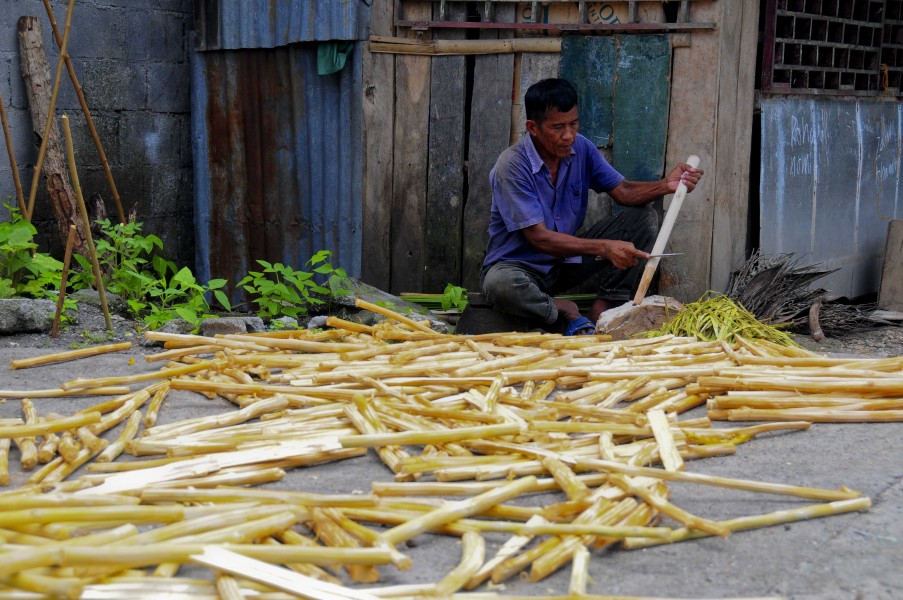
(235, 24)
(830, 184)
(277, 152)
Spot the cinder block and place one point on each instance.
(150, 139)
(113, 85)
(890, 297)
(169, 87)
(158, 36)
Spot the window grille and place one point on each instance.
(834, 47)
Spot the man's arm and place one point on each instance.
(638, 193)
(621, 254)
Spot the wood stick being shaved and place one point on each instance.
(664, 233)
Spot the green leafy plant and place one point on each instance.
(181, 296)
(154, 288)
(454, 297)
(22, 272)
(125, 257)
(279, 289)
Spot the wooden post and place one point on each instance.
(445, 172)
(379, 123)
(50, 111)
(36, 73)
(410, 169)
(92, 253)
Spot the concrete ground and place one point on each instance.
(849, 557)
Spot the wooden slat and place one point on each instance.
(445, 179)
(891, 295)
(378, 107)
(739, 33)
(412, 104)
(490, 130)
(529, 68)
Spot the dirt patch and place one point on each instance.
(87, 329)
(881, 341)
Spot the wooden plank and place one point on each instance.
(379, 123)
(530, 67)
(588, 63)
(640, 107)
(691, 131)
(411, 140)
(445, 179)
(490, 131)
(733, 134)
(891, 295)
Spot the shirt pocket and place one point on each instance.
(576, 206)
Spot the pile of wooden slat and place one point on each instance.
(486, 419)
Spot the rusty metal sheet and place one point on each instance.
(234, 24)
(278, 160)
(830, 184)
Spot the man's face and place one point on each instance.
(555, 134)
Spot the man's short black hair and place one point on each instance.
(547, 94)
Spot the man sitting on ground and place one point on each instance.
(539, 199)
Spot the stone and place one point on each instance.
(26, 315)
(91, 297)
(628, 320)
(318, 322)
(231, 325)
(374, 295)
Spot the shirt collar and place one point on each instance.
(536, 161)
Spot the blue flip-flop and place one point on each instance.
(580, 326)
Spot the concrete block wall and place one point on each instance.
(132, 60)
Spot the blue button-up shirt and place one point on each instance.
(523, 195)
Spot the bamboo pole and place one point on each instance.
(45, 139)
(88, 118)
(47, 359)
(394, 45)
(20, 198)
(740, 484)
(746, 523)
(391, 314)
(62, 424)
(456, 510)
(64, 278)
(76, 186)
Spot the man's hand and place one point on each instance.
(683, 172)
(622, 255)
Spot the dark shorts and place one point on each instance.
(518, 289)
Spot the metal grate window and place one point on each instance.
(839, 47)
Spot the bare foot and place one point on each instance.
(566, 309)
